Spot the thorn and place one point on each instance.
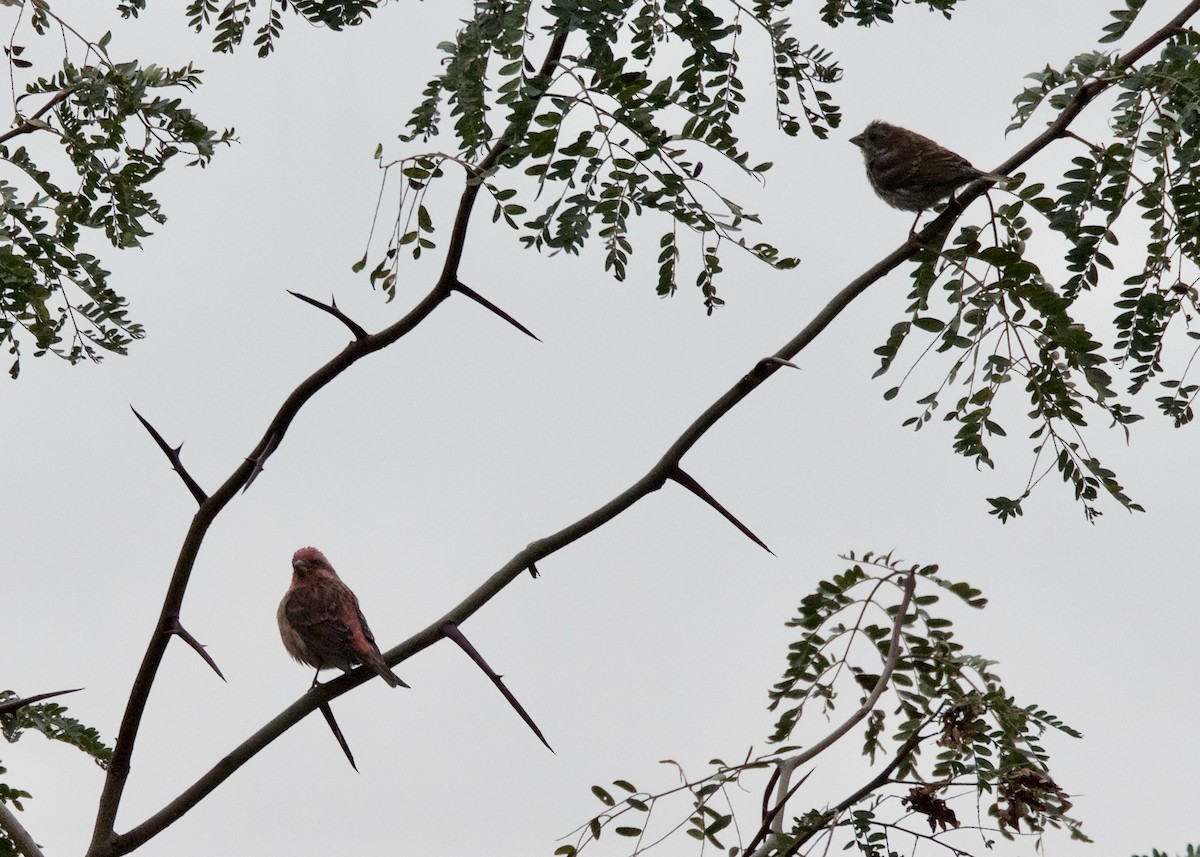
(777, 361)
(770, 786)
(175, 627)
(766, 367)
(692, 485)
(484, 302)
(337, 733)
(173, 457)
(332, 309)
(452, 632)
(17, 704)
(271, 445)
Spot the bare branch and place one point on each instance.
(332, 309)
(677, 475)
(172, 454)
(453, 632)
(174, 626)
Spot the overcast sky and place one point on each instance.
(427, 466)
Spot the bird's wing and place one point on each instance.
(941, 166)
(316, 613)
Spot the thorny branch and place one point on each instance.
(106, 843)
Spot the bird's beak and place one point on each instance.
(298, 565)
(857, 140)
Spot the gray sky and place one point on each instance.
(426, 467)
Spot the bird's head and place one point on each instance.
(877, 135)
(307, 560)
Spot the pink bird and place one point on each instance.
(321, 623)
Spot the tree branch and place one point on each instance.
(889, 666)
(104, 840)
(32, 124)
(106, 844)
(772, 818)
(17, 833)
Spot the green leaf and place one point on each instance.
(603, 796)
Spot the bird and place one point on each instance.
(911, 172)
(321, 623)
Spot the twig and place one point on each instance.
(889, 666)
(31, 124)
(771, 820)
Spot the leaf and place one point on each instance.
(603, 796)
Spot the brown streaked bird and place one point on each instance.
(911, 172)
(321, 623)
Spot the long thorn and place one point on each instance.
(172, 454)
(692, 485)
(174, 626)
(452, 632)
(17, 704)
(332, 309)
(484, 302)
(337, 733)
(260, 459)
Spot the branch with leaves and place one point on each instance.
(118, 133)
(990, 747)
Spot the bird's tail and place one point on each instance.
(377, 663)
